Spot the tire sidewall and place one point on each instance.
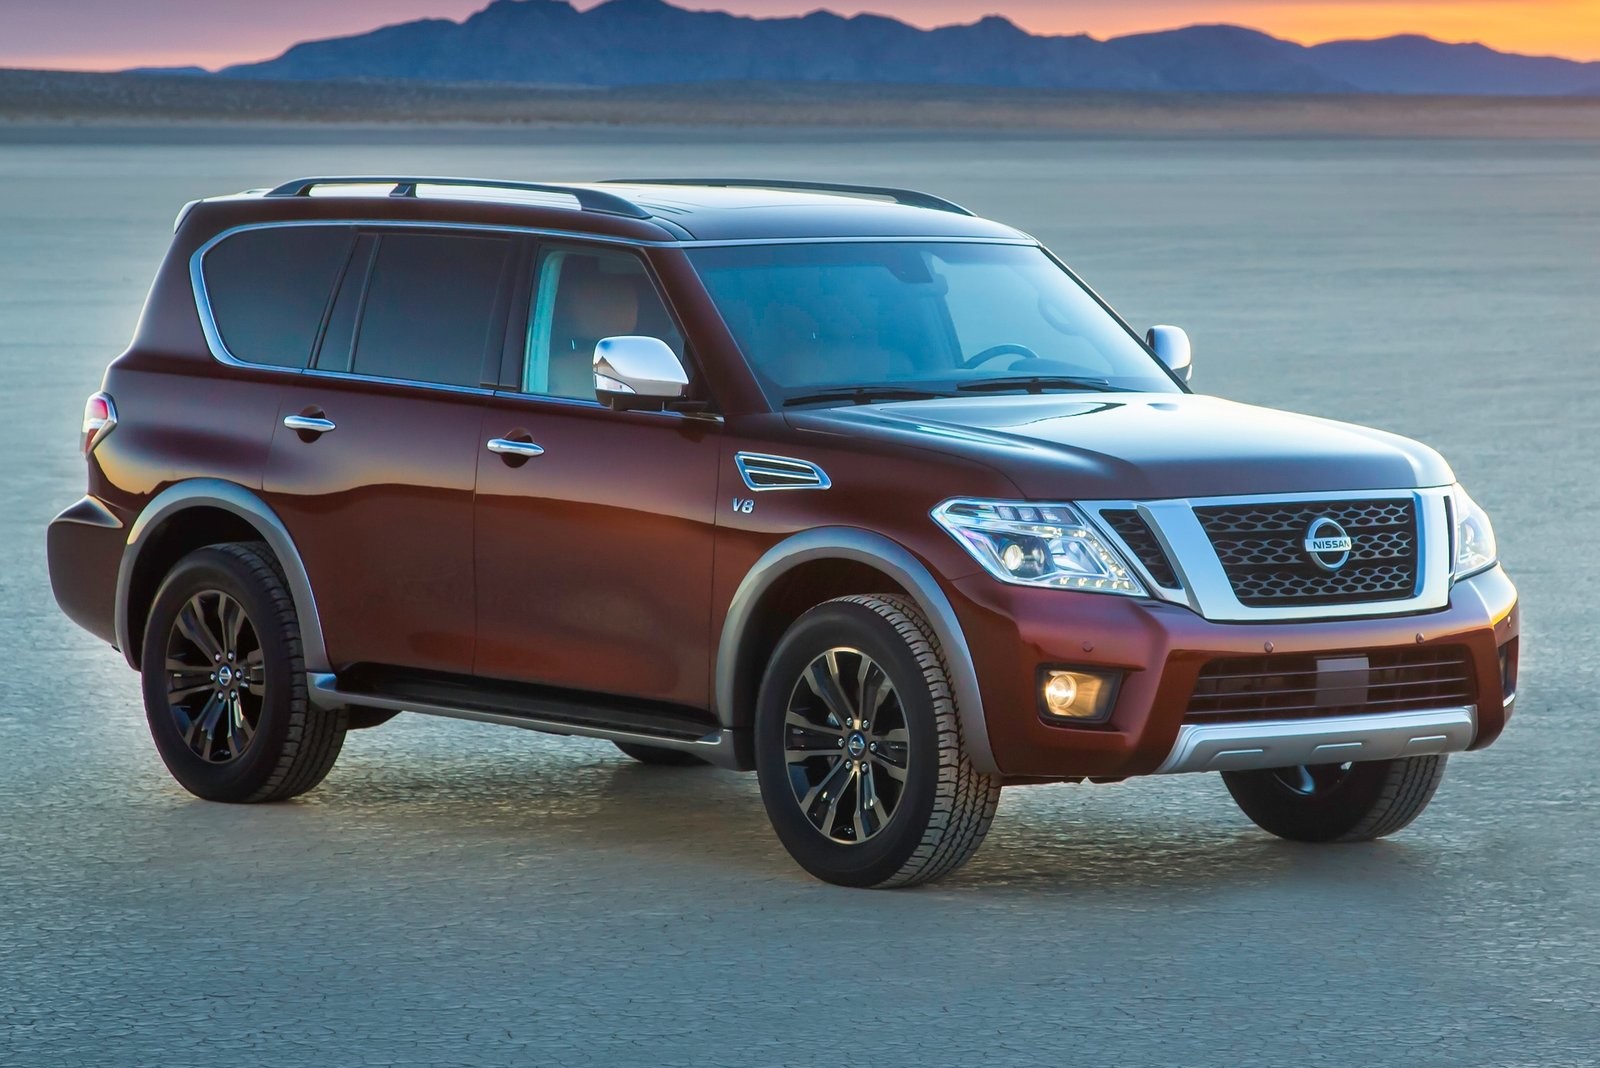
(1319, 817)
(210, 569)
(885, 853)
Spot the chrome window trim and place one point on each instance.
(1204, 586)
(578, 404)
(734, 242)
(352, 376)
(219, 350)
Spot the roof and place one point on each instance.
(720, 213)
(663, 210)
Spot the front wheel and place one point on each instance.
(859, 750)
(1337, 802)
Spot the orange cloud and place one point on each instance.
(1552, 27)
(1568, 28)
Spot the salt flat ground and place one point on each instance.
(461, 894)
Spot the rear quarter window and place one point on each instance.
(268, 290)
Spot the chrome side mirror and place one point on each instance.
(1171, 346)
(637, 372)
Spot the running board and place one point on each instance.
(613, 719)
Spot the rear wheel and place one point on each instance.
(859, 749)
(1337, 802)
(652, 754)
(224, 681)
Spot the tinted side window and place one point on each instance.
(268, 290)
(582, 297)
(431, 308)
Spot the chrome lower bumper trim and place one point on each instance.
(1283, 743)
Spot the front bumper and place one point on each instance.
(1013, 631)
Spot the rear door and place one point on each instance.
(594, 555)
(373, 461)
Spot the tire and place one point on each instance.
(655, 755)
(1337, 803)
(247, 733)
(907, 806)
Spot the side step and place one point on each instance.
(537, 708)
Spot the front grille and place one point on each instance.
(1130, 526)
(1262, 549)
(1332, 684)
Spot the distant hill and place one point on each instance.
(1412, 64)
(173, 72)
(650, 42)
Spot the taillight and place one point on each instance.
(99, 418)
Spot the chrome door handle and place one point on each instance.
(507, 447)
(308, 424)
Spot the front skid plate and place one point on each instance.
(1283, 743)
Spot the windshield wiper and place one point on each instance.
(863, 395)
(1038, 384)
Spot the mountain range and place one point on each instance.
(648, 42)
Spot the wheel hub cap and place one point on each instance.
(846, 744)
(216, 677)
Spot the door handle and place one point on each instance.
(308, 424)
(521, 449)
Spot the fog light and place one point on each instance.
(1061, 692)
(1077, 695)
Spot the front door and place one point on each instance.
(594, 539)
(374, 459)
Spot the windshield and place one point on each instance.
(841, 323)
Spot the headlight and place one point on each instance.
(1037, 545)
(1474, 536)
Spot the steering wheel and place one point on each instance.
(994, 352)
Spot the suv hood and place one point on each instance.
(1144, 445)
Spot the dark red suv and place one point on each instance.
(843, 485)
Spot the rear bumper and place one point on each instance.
(84, 546)
(1160, 648)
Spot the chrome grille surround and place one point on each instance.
(1201, 558)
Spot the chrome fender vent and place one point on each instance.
(761, 472)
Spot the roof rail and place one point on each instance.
(909, 197)
(588, 199)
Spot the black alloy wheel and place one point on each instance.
(217, 678)
(846, 745)
(864, 770)
(225, 690)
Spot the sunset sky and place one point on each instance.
(111, 34)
